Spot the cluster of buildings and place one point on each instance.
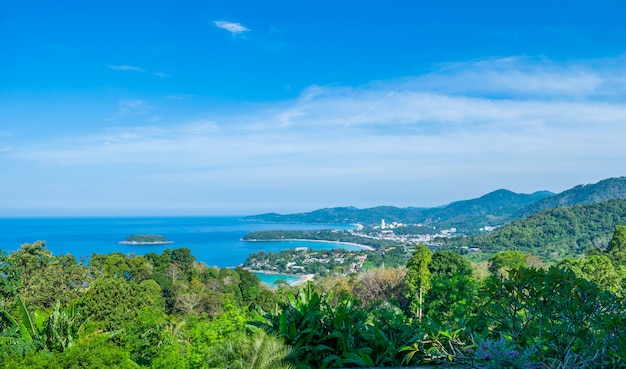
(386, 231)
(304, 261)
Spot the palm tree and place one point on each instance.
(259, 350)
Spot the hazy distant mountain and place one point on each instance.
(608, 189)
(545, 224)
(491, 209)
(495, 208)
(347, 215)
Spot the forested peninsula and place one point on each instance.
(319, 235)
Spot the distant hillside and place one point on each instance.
(608, 189)
(344, 215)
(491, 209)
(494, 208)
(553, 233)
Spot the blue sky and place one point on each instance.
(241, 107)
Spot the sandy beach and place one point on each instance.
(305, 278)
(365, 247)
(301, 278)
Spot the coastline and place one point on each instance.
(302, 278)
(85, 236)
(364, 247)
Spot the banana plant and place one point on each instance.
(34, 332)
(63, 327)
(324, 334)
(27, 334)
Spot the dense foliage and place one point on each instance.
(324, 262)
(169, 311)
(554, 233)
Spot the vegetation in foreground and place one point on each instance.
(169, 311)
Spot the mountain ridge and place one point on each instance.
(489, 209)
(495, 208)
(554, 233)
(604, 190)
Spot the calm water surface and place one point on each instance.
(213, 240)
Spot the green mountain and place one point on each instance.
(346, 215)
(494, 208)
(553, 233)
(491, 209)
(608, 189)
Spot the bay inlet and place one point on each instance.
(216, 241)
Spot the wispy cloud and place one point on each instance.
(519, 123)
(500, 93)
(126, 68)
(515, 78)
(178, 97)
(130, 104)
(232, 27)
(131, 68)
(130, 107)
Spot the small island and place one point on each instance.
(145, 239)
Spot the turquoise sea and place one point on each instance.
(213, 240)
(271, 278)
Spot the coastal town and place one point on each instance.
(388, 244)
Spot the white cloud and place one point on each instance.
(232, 27)
(131, 68)
(520, 124)
(522, 77)
(126, 68)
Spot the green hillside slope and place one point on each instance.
(607, 189)
(553, 233)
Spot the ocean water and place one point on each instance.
(213, 240)
(271, 278)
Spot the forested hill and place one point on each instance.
(494, 208)
(347, 215)
(490, 209)
(553, 233)
(608, 189)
